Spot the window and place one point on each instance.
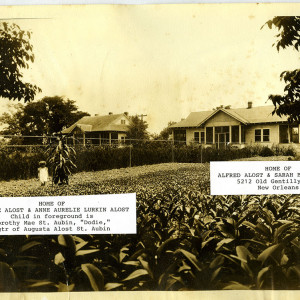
(243, 134)
(283, 134)
(221, 129)
(288, 134)
(199, 137)
(114, 137)
(196, 137)
(179, 136)
(104, 138)
(257, 135)
(209, 135)
(295, 134)
(123, 122)
(202, 137)
(262, 135)
(266, 135)
(235, 132)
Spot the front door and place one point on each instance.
(221, 141)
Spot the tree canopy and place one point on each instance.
(137, 129)
(165, 133)
(44, 117)
(15, 55)
(287, 104)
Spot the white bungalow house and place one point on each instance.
(239, 127)
(99, 130)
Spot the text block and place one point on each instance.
(97, 214)
(254, 177)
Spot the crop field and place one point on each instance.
(186, 239)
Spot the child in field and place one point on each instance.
(43, 172)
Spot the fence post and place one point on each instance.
(201, 154)
(172, 147)
(130, 156)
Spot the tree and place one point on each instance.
(44, 117)
(15, 54)
(287, 104)
(165, 133)
(137, 129)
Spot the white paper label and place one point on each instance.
(254, 177)
(97, 214)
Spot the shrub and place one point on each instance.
(23, 164)
(281, 150)
(16, 164)
(266, 151)
(290, 151)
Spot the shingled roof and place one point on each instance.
(254, 115)
(98, 123)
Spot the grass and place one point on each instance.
(80, 183)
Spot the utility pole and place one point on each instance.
(142, 116)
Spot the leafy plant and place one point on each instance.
(186, 240)
(16, 53)
(60, 158)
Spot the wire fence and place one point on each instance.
(20, 155)
(23, 141)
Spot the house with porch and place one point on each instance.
(110, 129)
(237, 127)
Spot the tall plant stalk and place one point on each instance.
(61, 159)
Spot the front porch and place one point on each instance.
(211, 136)
(96, 138)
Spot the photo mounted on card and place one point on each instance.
(150, 148)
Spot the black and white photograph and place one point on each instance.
(150, 148)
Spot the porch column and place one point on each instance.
(240, 134)
(83, 135)
(289, 136)
(230, 137)
(109, 138)
(99, 139)
(214, 135)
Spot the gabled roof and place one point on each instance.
(254, 115)
(98, 123)
(229, 112)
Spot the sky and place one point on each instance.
(164, 61)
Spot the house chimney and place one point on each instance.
(110, 113)
(126, 113)
(249, 104)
